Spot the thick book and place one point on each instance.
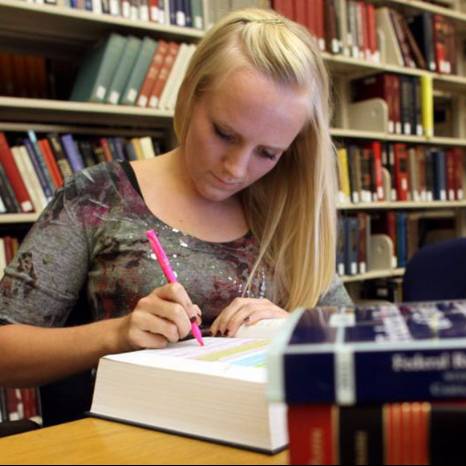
(215, 392)
(373, 354)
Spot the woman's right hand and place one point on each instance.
(161, 317)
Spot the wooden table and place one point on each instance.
(95, 441)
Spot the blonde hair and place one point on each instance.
(291, 210)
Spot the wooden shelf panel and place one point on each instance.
(459, 17)
(343, 65)
(373, 275)
(36, 26)
(349, 133)
(404, 205)
(95, 131)
(59, 112)
(18, 218)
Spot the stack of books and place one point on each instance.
(126, 70)
(381, 384)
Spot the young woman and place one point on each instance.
(244, 207)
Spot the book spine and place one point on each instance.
(392, 433)
(37, 168)
(41, 162)
(13, 174)
(427, 95)
(8, 195)
(74, 157)
(426, 374)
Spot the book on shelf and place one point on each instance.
(98, 68)
(415, 173)
(225, 381)
(152, 73)
(123, 70)
(138, 72)
(14, 176)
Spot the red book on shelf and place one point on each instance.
(372, 31)
(152, 73)
(377, 176)
(320, 23)
(401, 172)
(440, 44)
(51, 163)
(284, 7)
(169, 60)
(458, 161)
(301, 15)
(451, 179)
(14, 177)
(106, 148)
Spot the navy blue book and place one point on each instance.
(374, 354)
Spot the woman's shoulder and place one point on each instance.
(336, 295)
(96, 176)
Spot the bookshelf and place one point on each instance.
(346, 128)
(72, 31)
(31, 28)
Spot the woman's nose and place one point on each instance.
(236, 164)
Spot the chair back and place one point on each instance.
(437, 272)
(70, 398)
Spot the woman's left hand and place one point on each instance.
(245, 311)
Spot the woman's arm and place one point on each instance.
(35, 355)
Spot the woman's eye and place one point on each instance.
(269, 155)
(222, 135)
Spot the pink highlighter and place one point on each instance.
(170, 276)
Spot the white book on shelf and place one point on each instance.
(2, 258)
(2, 206)
(179, 79)
(39, 197)
(115, 8)
(172, 77)
(97, 6)
(147, 147)
(29, 184)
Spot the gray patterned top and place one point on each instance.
(92, 236)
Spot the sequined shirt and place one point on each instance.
(92, 236)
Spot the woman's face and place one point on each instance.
(239, 130)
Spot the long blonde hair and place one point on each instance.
(291, 210)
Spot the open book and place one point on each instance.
(216, 392)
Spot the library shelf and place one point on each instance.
(344, 64)
(379, 136)
(403, 205)
(373, 275)
(18, 218)
(74, 26)
(458, 16)
(45, 110)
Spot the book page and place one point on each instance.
(265, 328)
(243, 358)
